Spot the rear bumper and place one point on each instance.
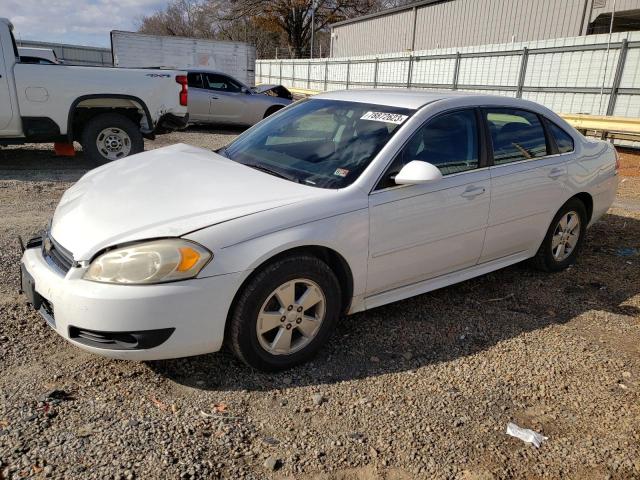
(170, 122)
(135, 322)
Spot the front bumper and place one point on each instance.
(135, 322)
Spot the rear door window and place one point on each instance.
(516, 135)
(564, 142)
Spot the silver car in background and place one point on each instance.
(215, 97)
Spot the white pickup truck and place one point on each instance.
(107, 110)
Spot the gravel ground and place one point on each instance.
(423, 388)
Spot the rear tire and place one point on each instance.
(268, 329)
(271, 110)
(110, 136)
(564, 239)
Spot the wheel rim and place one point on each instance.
(565, 236)
(291, 317)
(113, 143)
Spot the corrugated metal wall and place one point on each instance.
(472, 22)
(365, 37)
(461, 23)
(74, 54)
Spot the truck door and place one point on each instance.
(6, 109)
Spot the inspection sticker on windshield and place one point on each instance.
(341, 172)
(384, 117)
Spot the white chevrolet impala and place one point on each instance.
(334, 205)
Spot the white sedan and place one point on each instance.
(334, 205)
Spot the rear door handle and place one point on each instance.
(472, 192)
(556, 173)
(214, 98)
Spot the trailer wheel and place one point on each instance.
(110, 136)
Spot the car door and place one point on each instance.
(419, 232)
(527, 182)
(228, 100)
(199, 98)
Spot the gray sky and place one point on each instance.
(86, 22)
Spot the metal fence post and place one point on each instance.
(523, 71)
(293, 74)
(409, 71)
(348, 68)
(456, 72)
(308, 75)
(326, 74)
(280, 72)
(622, 60)
(375, 73)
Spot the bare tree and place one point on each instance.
(293, 17)
(267, 24)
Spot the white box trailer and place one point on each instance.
(139, 50)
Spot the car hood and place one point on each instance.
(164, 193)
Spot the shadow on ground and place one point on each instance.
(449, 323)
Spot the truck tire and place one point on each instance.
(110, 136)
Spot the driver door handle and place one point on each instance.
(473, 192)
(214, 98)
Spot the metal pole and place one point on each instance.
(308, 75)
(606, 63)
(348, 67)
(375, 73)
(622, 59)
(280, 72)
(523, 71)
(413, 29)
(313, 11)
(326, 74)
(456, 72)
(409, 69)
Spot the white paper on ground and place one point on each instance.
(525, 435)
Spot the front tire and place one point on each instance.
(110, 136)
(564, 239)
(285, 313)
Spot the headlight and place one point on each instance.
(156, 261)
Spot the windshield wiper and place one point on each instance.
(270, 171)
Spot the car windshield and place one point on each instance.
(323, 143)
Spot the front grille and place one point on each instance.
(56, 255)
(46, 310)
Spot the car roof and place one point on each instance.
(404, 98)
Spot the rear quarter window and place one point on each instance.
(562, 138)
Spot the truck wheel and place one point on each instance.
(110, 136)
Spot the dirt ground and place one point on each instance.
(422, 388)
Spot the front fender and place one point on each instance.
(347, 234)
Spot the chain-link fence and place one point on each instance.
(595, 74)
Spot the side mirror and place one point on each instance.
(418, 172)
(245, 90)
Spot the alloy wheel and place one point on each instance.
(291, 317)
(565, 236)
